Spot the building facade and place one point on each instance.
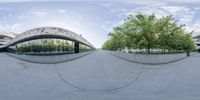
(5, 37)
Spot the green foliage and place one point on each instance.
(148, 32)
(46, 46)
(84, 48)
(50, 46)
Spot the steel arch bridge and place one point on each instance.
(48, 32)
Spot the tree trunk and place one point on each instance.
(188, 53)
(148, 50)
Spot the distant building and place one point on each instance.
(5, 37)
(197, 41)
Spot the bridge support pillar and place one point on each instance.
(3, 50)
(76, 47)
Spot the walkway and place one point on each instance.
(99, 76)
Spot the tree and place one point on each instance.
(145, 27)
(148, 32)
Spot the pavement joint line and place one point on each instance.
(24, 65)
(105, 90)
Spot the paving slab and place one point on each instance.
(99, 76)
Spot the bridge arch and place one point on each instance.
(49, 32)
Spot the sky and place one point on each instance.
(93, 19)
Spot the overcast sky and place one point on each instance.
(92, 19)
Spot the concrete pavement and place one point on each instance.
(99, 76)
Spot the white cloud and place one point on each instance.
(80, 17)
(22, 16)
(185, 1)
(184, 14)
(104, 27)
(186, 18)
(10, 15)
(108, 26)
(98, 18)
(109, 4)
(16, 27)
(5, 9)
(146, 10)
(149, 10)
(197, 8)
(195, 27)
(39, 13)
(147, 2)
(61, 11)
(66, 15)
(117, 10)
(172, 9)
(107, 22)
(159, 2)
